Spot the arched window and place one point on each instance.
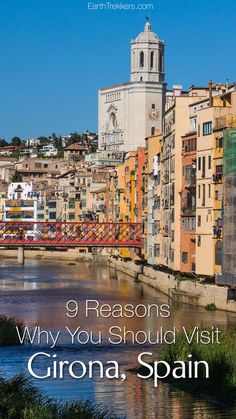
(141, 62)
(152, 130)
(152, 59)
(218, 252)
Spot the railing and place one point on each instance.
(190, 181)
(217, 178)
(68, 234)
(188, 210)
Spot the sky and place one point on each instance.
(56, 54)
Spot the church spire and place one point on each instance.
(147, 27)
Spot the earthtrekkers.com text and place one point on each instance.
(120, 6)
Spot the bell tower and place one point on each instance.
(147, 57)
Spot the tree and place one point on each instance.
(54, 136)
(74, 138)
(16, 141)
(43, 140)
(3, 142)
(16, 177)
(58, 145)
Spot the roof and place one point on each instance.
(8, 147)
(43, 171)
(147, 35)
(76, 147)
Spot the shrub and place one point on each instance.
(8, 333)
(21, 400)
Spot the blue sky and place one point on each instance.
(55, 54)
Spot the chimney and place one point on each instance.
(210, 93)
(177, 90)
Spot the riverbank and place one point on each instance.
(20, 399)
(72, 255)
(220, 358)
(182, 291)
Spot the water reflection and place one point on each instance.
(37, 294)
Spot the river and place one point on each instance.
(37, 293)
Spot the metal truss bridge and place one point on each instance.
(70, 234)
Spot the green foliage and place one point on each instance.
(75, 138)
(211, 307)
(221, 359)
(181, 277)
(16, 141)
(3, 142)
(16, 177)
(43, 141)
(21, 400)
(58, 144)
(8, 333)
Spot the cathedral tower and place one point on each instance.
(147, 57)
(130, 112)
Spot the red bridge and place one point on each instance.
(70, 234)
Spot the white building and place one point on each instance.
(48, 150)
(32, 142)
(130, 112)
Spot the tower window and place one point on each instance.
(152, 59)
(141, 59)
(153, 106)
(152, 130)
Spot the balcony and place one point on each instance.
(190, 181)
(217, 232)
(217, 228)
(217, 178)
(188, 204)
(166, 176)
(165, 203)
(188, 210)
(166, 230)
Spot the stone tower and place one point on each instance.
(147, 57)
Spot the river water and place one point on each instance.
(37, 294)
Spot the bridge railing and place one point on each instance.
(70, 234)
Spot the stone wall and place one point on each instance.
(127, 267)
(187, 291)
(70, 254)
